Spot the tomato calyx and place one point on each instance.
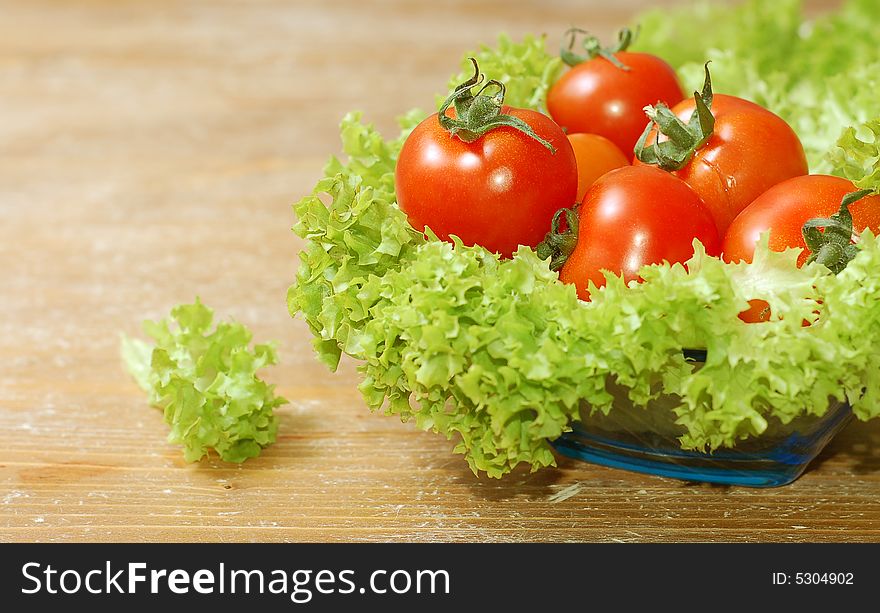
(480, 112)
(833, 247)
(559, 244)
(683, 140)
(593, 47)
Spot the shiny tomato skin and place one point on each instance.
(595, 156)
(750, 151)
(633, 216)
(784, 208)
(599, 98)
(500, 191)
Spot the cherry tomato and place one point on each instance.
(634, 216)
(499, 191)
(749, 151)
(784, 208)
(595, 156)
(598, 97)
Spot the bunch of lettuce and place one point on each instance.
(205, 382)
(501, 356)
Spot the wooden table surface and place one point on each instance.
(150, 151)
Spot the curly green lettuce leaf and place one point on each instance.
(857, 155)
(753, 372)
(137, 356)
(472, 346)
(525, 68)
(765, 32)
(361, 233)
(851, 326)
(205, 381)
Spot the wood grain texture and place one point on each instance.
(149, 152)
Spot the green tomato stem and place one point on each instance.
(830, 240)
(558, 245)
(593, 47)
(480, 112)
(682, 139)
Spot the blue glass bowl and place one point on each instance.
(645, 440)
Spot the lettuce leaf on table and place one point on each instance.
(205, 382)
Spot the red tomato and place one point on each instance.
(598, 97)
(595, 156)
(750, 150)
(499, 191)
(634, 216)
(784, 208)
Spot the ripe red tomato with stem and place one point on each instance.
(606, 89)
(786, 207)
(792, 212)
(630, 217)
(728, 149)
(490, 174)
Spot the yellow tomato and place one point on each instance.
(595, 156)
